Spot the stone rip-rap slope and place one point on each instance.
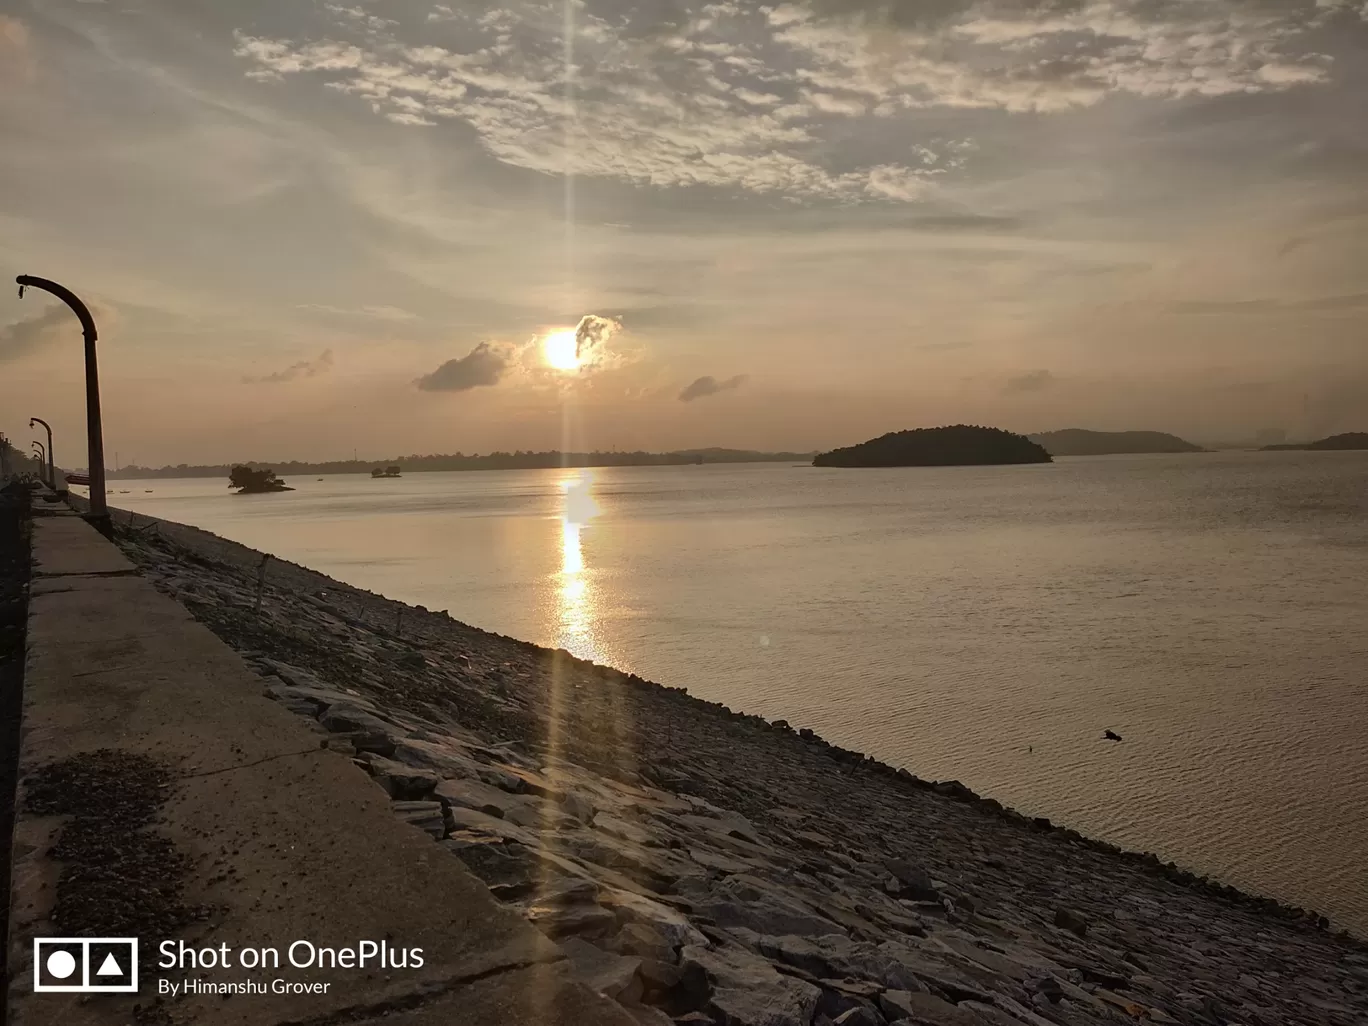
(702, 866)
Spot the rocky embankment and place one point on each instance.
(706, 867)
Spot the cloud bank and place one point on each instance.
(764, 99)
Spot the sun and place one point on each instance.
(560, 349)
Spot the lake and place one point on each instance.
(978, 623)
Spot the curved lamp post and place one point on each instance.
(42, 458)
(51, 468)
(99, 511)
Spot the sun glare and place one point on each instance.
(561, 350)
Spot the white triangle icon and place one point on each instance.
(109, 967)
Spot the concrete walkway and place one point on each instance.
(289, 840)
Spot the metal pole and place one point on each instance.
(99, 510)
(52, 468)
(42, 457)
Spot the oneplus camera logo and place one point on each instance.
(85, 965)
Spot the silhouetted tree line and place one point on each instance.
(518, 460)
(1348, 440)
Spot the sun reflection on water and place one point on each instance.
(574, 592)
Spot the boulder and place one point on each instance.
(368, 732)
(672, 926)
(305, 681)
(746, 901)
(474, 821)
(300, 705)
(557, 921)
(578, 807)
(625, 830)
(646, 1016)
(919, 1007)
(524, 781)
(567, 890)
(503, 865)
(424, 815)
(861, 1015)
(745, 990)
(840, 997)
(650, 867)
(448, 759)
(717, 861)
(405, 783)
(727, 825)
(1067, 919)
(644, 941)
(476, 795)
(614, 976)
(502, 778)
(660, 976)
(911, 881)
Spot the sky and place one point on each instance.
(392, 227)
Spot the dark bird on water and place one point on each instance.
(1111, 735)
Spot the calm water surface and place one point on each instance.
(984, 624)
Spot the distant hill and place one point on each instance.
(1348, 440)
(1078, 442)
(959, 444)
(491, 461)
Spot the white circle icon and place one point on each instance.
(61, 964)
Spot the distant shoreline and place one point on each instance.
(459, 462)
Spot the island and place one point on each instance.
(1081, 442)
(1348, 440)
(391, 471)
(254, 482)
(956, 445)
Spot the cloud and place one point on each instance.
(1352, 301)
(709, 385)
(1293, 244)
(592, 335)
(24, 336)
(16, 52)
(379, 313)
(697, 105)
(302, 369)
(483, 365)
(1034, 381)
(768, 99)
